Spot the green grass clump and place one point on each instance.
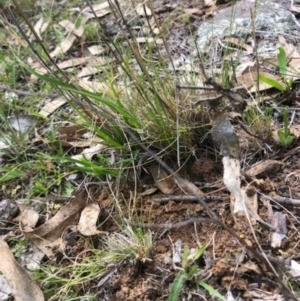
(74, 279)
(190, 272)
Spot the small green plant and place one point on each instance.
(284, 134)
(286, 83)
(190, 272)
(259, 119)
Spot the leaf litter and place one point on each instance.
(49, 237)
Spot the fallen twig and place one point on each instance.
(185, 198)
(285, 201)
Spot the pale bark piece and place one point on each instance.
(48, 237)
(89, 153)
(263, 166)
(232, 181)
(88, 220)
(279, 224)
(29, 219)
(241, 203)
(21, 285)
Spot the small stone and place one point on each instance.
(8, 210)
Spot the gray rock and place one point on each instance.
(8, 210)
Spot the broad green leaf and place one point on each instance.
(273, 83)
(177, 286)
(10, 175)
(282, 63)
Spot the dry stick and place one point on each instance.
(286, 201)
(183, 198)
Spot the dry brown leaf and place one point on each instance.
(96, 7)
(88, 220)
(295, 132)
(143, 10)
(210, 2)
(94, 66)
(148, 191)
(96, 49)
(22, 286)
(64, 46)
(71, 27)
(239, 43)
(261, 167)
(40, 26)
(141, 40)
(247, 77)
(67, 43)
(48, 237)
(100, 10)
(293, 57)
(163, 181)
(187, 186)
(193, 11)
(51, 106)
(72, 62)
(75, 136)
(39, 68)
(102, 88)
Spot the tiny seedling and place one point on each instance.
(286, 83)
(189, 272)
(284, 134)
